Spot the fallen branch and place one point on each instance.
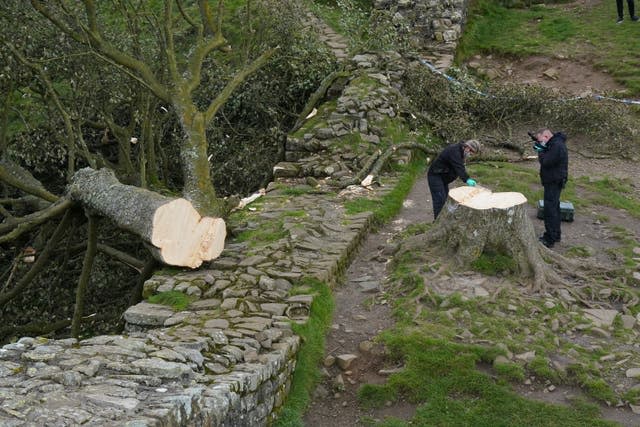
(317, 96)
(378, 161)
(87, 265)
(21, 179)
(18, 226)
(123, 257)
(41, 261)
(34, 329)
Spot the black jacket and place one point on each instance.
(450, 164)
(554, 161)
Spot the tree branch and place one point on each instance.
(41, 261)
(18, 226)
(170, 49)
(96, 42)
(22, 179)
(123, 257)
(87, 265)
(237, 80)
(185, 16)
(317, 95)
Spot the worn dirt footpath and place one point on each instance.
(362, 312)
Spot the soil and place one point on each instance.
(577, 77)
(362, 310)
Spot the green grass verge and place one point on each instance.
(386, 207)
(307, 375)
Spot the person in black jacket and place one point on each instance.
(448, 166)
(554, 164)
(632, 14)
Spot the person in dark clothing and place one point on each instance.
(448, 166)
(632, 12)
(554, 164)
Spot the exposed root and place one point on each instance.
(426, 292)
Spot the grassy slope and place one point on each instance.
(574, 31)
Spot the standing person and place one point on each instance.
(448, 166)
(554, 164)
(632, 11)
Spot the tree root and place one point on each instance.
(426, 292)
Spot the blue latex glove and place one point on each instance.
(539, 147)
(471, 182)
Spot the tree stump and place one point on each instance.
(475, 220)
(173, 228)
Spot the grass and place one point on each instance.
(389, 205)
(177, 300)
(306, 374)
(578, 32)
(613, 192)
(441, 390)
(441, 377)
(269, 231)
(342, 15)
(494, 263)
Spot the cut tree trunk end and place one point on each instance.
(475, 220)
(174, 229)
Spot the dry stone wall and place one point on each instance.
(228, 358)
(433, 24)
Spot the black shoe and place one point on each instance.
(619, 21)
(634, 18)
(547, 243)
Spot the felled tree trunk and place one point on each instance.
(176, 232)
(475, 220)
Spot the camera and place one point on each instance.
(533, 136)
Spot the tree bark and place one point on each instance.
(173, 228)
(475, 220)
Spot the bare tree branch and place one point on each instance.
(237, 80)
(21, 179)
(87, 265)
(18, 226)
(185, 16)
(41, 261)
(123, 257)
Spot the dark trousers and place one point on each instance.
(552, 216)
(632, 11)
(439, 191)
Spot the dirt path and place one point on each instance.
(361, 313)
